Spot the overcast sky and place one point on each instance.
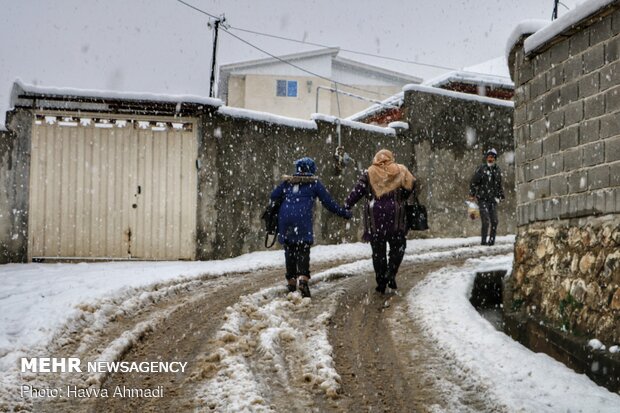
(163, 46)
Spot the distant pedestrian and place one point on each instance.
(297, 194)
(386, 186)
(486, 188)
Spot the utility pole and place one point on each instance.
(216, 27)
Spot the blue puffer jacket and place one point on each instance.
(298, 194)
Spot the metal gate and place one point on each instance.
(113, 187)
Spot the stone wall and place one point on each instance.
(451, 132)
(567, 135)
(14, 184)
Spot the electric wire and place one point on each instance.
(395, 59)
(197, 9)
(301, 68)
(225, 29)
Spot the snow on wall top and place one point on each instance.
(266, 117)
(459, 95)
(491, 72)
(526, 27)
(71, 92)
(352, 124)
(393, 101)
(571, 18)
(398, 125)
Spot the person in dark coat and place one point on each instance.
(297, 194)
(385, 186)
(486, 188)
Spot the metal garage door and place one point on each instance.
(117, 187)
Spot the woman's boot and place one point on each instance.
(381, 282)
(291, 284)
(303, 286)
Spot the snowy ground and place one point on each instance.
(36, 300)
(44, 302)
(520, 379)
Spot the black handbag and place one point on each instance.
(270, 216)
(417, 218)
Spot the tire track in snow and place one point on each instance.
(261, 351)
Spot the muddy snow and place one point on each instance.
(251, 346)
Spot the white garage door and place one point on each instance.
(113, 187)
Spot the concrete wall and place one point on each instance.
(14, 187)
(243, 160)
(567, 134)
(451, 135)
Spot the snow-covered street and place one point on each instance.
(250, 346)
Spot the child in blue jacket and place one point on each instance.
(298, 194)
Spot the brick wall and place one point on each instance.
(567, 126)
(567, 138)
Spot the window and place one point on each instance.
(286, 88)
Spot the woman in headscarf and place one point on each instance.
(297, 194)
(385, 185)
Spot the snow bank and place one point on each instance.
(519, 378)
(458, 95)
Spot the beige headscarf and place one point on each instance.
(385, 175)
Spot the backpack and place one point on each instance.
(270, 216)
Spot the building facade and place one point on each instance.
(271, 85)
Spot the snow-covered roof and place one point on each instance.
(459, 95)
(376, 70)
(393, 101)
(266, 117)
(493, 72)
(353, 124)
(568, 20)
(270, 60)
(21, 89)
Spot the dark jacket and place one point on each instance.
(298, 194)
(384, 217)
(486, 184)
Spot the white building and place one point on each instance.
(300, 84)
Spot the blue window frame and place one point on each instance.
(291, 90)
(286, 88)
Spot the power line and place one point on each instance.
(395, 59)
(319, 45)
(197, 9)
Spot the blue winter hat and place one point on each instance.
(305, 166)
(492, 152)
